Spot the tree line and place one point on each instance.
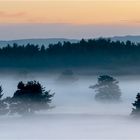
(93, 53)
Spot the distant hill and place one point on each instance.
(39, 42)
(135, 39)
(48, 41)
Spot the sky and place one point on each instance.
(68, 18)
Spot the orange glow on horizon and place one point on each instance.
(74, 12)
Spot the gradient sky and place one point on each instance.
(77, 16)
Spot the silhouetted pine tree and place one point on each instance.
(136, 104)
(107, 89)
(30, 97)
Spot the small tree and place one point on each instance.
(3, 104)
(136, 104)
(107, 89)
(30, 97)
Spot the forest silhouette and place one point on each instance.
(93, 53)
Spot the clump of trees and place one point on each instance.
(136, 105)
(67, 76)
(107, 89)
(28, 98)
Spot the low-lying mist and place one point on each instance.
(76, 114)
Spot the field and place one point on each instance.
(76, 115)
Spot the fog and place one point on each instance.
(76, 115)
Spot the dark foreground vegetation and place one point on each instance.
(95, 54)
(28, 98)
(136, 105)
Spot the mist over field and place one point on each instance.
(69, 70)
(76, 115)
